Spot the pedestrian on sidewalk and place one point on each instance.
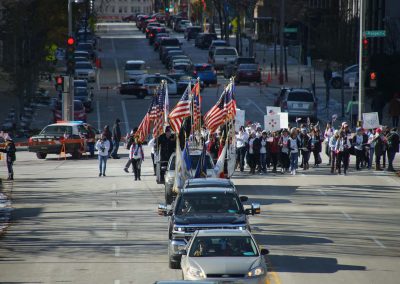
(103, 147)
(130, 139)
(108, 135)
(392, 148)
(294, 146)
(394, 109)
(284, 151)
(116, 138)
(342, 149)
(137, 156)
(10, 150)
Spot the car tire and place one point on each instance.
(336, 83)
(174, 264)
(41, 155)
(141, 95)
(168, 195)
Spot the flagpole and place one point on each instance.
(198, 86)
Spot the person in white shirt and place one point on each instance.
(371, 144)
(332, 146)
(241, 140)
(152, 145)
(342, 149)
(137, 156)
(358, 141)
(263, 152)
(102, 146)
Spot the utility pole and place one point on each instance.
(281, 28)
(361, 70)
(68, 97)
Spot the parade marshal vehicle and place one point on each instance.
(203, 209)
(54, 134)
(170, 192)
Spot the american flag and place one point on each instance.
(144, 127)
(181, 110)
(159, 112)
(196, 106)
(224, 110)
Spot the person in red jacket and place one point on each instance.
(274, 149)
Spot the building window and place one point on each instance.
(112, 9)
(125, 9)
(120, 10)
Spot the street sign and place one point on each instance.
(290, 30)
(375, 33)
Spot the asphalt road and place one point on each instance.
(70, 226)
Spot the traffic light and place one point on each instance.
(166, 9)
(70, 56)
(365, 43)
(60, 83)
(372, 76)
(372, 79)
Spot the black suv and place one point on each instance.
(200, 209)
(203, 40)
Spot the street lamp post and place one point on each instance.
(281, 28)
(68, 97)
(361, 70)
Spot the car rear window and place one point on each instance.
(248, 67)
(225, 51)
(83, 65)
(300, 97)
(203, 68)
(134, 66)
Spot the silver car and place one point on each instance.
(224, 255)
(134, 69)
(85, 70)
(299, 103)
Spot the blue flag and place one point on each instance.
(201, 169)
(187, 163)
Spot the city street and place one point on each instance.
(71, 226)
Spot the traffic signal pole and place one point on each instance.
(361, 70)
(68, 95)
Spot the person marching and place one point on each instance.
(315, 141)
(116, 138)
(393, 147)
(137, 156)
(379, 145)
(253, 152)
(284, 154)
(305, 149)
(342, 149)
(10, 150)
(241, 139)
(263, 152)
(294, 146)
(358, 142)
(273, 150)
(102, 146)
(327, 136)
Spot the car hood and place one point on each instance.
(225, 265)
(210, 218)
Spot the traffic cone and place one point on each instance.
(62, 152)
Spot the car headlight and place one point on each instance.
(196, 272)
(257, 271)
(179, 229)
(242, 228)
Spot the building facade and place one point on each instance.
(117, 9)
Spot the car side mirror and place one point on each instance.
(243, 198)
(162, 210)
(255, 208)
(264, 251)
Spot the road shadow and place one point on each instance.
(25, 213)
(309, 264)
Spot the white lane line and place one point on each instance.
(114, 204)
(125, 116)
(256, 106)
(98, 115)
(348, 217)
(98, 79)
(117, 71)
(117, 282)
(117, 251)
(322, 192)
(114, 226)
(378, 242)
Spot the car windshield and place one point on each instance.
(250, 67)
(78, 106)
(80, 83)
(203, 68)
(134, 66)
(194, 160)
(83, 65)
(80, 92)
(200, 185)
(208, 202)
(300, 97)
(225, 51)
(57, 130)
(223, 246)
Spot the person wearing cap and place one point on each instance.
(284, 152)
(263, 152)
(392, 147)
(116, 138)
(10, 150)
(332, 145)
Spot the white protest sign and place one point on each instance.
(272, 122)
(284, 120)
(239, 119)
(370, 120)
(272, 110)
